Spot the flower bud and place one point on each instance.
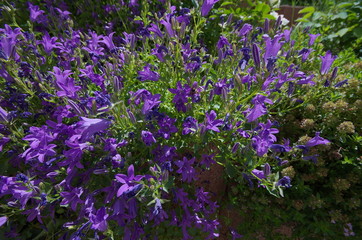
(235, 147)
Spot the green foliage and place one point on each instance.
(340, 25)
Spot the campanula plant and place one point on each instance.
(105, 134)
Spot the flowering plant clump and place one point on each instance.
(106, 135)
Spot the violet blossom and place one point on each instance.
(207, 6)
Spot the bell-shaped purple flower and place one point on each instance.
(148, 138)
(317, 140)
(148, 74)
(128, 182)
(327, 62)
(312, 38)
(284, 182)
(207, 6)
(99, 220)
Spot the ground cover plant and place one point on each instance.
(108, 128)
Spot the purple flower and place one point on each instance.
(91, 126)
(49, 43)
(245, 29)
(3, 115)
(186, 169)
(99, 220)
(7, 48)
(259, 108)
(127, 181)
(327, 62)
(148, 74)
(32, 214)
(281, 148)
(151, 102)
(95, 78)
(167, 127)
(246, 57)
(212, 123)
(307, 80)
(256, 55)
(265, 138)
(223, 41)
(131, 192)
(93, 47)
(72, 198)
(341, 83)
(313, 158)
(190, 125)
(259, 173)
(286, 34)
(147, 138)
(108, 41)
(168, 25)
(206, 6)
(64, 83)
(158, 214)
(35, 13)
(207, 160)
(317, 140)
(39, 147)
(348, 230)
(3, 141)
(155, 29)
(284, 182)
(182, 92)
(272, 48)
(22, 177)
(305, 53)
(235, 235)
(312, 38)
(160, 52)
(3, 220)
(266, 169)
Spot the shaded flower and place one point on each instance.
(99, 220)
(147, 138)
(72, 198)
(167, 127)
(207, 160)
(284, 182)
(317, 140)
(186, 169)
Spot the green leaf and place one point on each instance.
(342, 32)
(344, 5)
(341, 15)
(307, 10)
(357, 32)
(231, 171)
(281, 191)
(226, 3)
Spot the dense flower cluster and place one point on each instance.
(107, 134)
